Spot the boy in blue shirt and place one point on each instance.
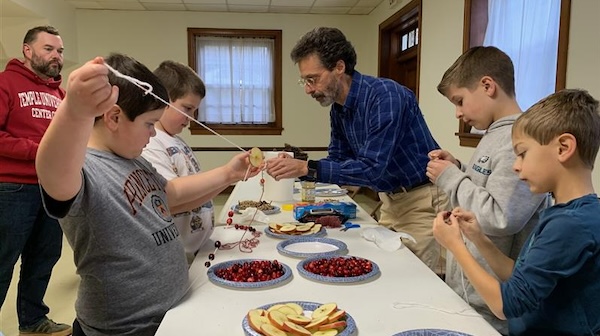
(553, 286)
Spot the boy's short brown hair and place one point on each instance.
(477, 62)
(180, 80)
(567, 111)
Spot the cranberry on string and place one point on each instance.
(244, 245)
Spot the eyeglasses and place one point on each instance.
(310, 81)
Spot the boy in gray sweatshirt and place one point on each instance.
(480, 84)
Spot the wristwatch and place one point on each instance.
(313, 167)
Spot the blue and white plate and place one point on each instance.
(305, 247)
(320, 233)
(331, 192)
(431, 332)
(287, 274)
(273, 211)
(312, 276)
(309, 307)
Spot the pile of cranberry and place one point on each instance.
(252, 271)
(341, 267)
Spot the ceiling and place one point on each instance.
(352, 7)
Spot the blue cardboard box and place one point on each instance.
(347, 209)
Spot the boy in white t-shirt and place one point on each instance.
(172, 157)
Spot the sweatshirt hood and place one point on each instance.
(16, 65)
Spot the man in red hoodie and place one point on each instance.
(29, 95)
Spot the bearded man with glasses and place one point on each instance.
(379, 140)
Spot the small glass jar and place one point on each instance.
(308, 191)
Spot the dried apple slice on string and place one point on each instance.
(256, 157)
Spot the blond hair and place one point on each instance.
(477, 62)
(567, 111)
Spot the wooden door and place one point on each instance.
(399, 46)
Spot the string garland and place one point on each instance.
(467, 312)
(245, 246)
(147, 88)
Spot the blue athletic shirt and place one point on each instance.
(555, 285)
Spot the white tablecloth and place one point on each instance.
(407, 295)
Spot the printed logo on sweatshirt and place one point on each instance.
(165, 235)
(39, 99)
(36, 98)
(161, 208)
(137, 186)
(481, 170)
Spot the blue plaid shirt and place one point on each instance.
(379, 138)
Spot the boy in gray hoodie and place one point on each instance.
(480, 84)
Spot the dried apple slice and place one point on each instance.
(256, 157)
(328, 332)
(287, 310)
(275, 307)
(336, 316)
(299, 319)
(270, 330)
(288, 228)
(277, 318)
(324, 310)
(255, 322)
(316, 322)
(298, 308)
(296, 329)
(333, 325)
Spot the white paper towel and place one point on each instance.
(278, 191)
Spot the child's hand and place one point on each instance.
(447, 231)
(440, 154)
(238, 166)
(89, 91)
(468, 223)
(435, 169)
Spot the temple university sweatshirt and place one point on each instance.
(27, 105)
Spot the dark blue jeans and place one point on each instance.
(27, 231)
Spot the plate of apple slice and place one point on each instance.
(249, 273)
(338, 269)
(295, 229)
(298, 318)
(305, 247)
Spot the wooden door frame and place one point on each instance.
(385, 30)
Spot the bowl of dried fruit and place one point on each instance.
(338, 269)
(249, 273)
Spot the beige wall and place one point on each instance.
(17, 16)
(154, 36)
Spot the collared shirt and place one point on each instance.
(379, 138)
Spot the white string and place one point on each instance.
(468, 312)
(147, 88)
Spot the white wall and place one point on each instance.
(154, 36)
(18, 16)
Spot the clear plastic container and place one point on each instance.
(308, 191)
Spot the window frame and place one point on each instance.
(474, 28)
(272, 128)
